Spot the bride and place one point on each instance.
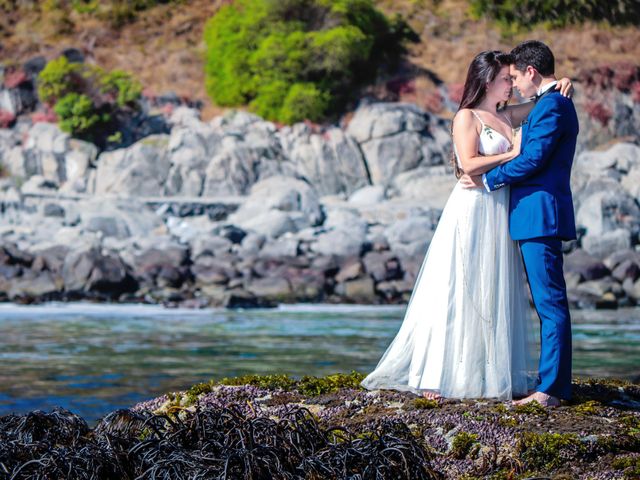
(467, 330)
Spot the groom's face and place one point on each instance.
(523, 81)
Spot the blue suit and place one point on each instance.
(540, 217)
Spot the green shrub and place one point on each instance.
(58, 78)
(556, 13)
(291, 60)
(86, 97)
(77, 114)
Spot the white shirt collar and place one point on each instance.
(548, 86)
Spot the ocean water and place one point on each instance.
(93, 359)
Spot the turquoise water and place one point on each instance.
(93, 359)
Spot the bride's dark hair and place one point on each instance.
(484, 68)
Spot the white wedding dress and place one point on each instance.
(468, 328)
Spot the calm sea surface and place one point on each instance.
(93, 359)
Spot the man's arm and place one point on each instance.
(543, 135)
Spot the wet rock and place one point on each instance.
(360, 290)
(271, 289)
(585, 265)
(382, 266)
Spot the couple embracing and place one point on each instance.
(467, 330)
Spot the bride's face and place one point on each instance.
(499, 89)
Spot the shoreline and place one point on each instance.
(305, 425)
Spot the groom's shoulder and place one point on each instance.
(556, 101)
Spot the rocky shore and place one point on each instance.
(241, 212)
(278, 427)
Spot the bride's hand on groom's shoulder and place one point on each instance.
(565, 86)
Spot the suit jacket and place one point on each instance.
(541, 204)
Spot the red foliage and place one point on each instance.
(635, 91)
(620, 76)
(46, 116)
(6, 118)
(15, 78)
(598, 111)
(402, 86)
(433, 102)
(455, 92)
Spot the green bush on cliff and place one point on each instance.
(291, 60)
(557, 13)
(77, 114)
(86, 97)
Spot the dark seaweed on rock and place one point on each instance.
(211, 443)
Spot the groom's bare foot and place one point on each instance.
(431, 395)
(542, 398)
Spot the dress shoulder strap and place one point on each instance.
(477, 116)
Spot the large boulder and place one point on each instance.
(190, 149)
(606, 210)
(396, 137)
(43, 153)
(139, 170)
(248, 151)
(429, 185)
(278, 205)
(331, 161)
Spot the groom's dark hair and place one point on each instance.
(536, 54)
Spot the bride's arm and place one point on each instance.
(517, 113)
(466, 138)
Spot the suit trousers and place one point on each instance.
(543, 264)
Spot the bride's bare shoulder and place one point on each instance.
(464, 118)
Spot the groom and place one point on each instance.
(541, 209)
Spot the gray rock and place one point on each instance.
(369, 195)
(109, 275)
(208, 270)
(331, 161)
(190, 149)
(600, 246)
(33, 285)
(78, 159)
(632, 289)
(248, 151)
(398, 137)
(430, 185)
(278, 205)
(616, 258)
(586, 266)
(361, 290)
(139, 170)
(606, 211)
(350, 270)
(286, 246)
(77, 268)
(626, 269)
(273, 288)
(252, 243)
(53, 210)
(621, 156)
(108, 226)
(207, 245)
(409, 231)
(338, 242)
(382, 266)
